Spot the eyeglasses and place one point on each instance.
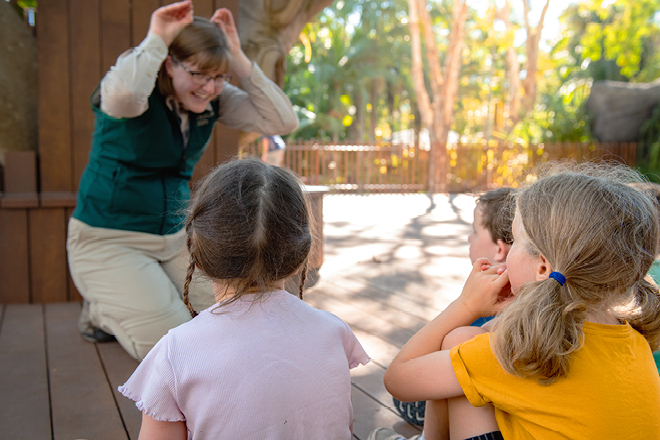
(202, 79)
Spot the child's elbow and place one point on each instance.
(387, 380)
(393, 383)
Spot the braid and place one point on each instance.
(191, 269)
(189, 275)
(303, 276)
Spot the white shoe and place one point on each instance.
(388, 434)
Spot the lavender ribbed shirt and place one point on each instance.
(276, 368)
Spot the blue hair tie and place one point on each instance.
(561, 279)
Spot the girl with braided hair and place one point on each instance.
(570, 354)
(260, 363)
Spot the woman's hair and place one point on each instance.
(497, 213)
(601, 234)
(202, 43)
(248, 226)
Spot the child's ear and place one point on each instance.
(502, 251)
(543, 268)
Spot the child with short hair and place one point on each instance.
(491, 235)
(490, 238)
(491, 226)
(570, 355)
(260, 363)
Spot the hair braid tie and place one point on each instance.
(561, 279)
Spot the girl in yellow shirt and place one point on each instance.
(570, 355)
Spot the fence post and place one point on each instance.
(347, 163)
(399, 168)
(317, 164)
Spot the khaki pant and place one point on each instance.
(133, 283)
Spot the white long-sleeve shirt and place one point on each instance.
(261, 106)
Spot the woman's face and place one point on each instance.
(193, 88)
(522, 266)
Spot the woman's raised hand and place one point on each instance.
(487, 289)
(240, 63)
(168, 21)
(223, 18)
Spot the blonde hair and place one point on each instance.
(201, 42)
(248, 226)
(601, 234)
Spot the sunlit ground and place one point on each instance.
(401, 242)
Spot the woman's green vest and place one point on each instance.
(138, 170)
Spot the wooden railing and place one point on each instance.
(374, 168)
(356, 168)
(403, 168)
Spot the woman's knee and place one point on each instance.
(138, 334)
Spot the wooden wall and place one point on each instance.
(78, 41)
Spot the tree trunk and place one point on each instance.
(444, 87)
(373, 100)
(417, 68)
(421, 95)
(358, 122)
(514, 85)
(269, 28)
(531, 64)
(514, 67)
(489, 100)
(417, 126)
(453, 66)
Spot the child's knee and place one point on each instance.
(460, 335)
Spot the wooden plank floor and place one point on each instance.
(392, 263)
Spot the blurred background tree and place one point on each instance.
(350, 75)
(618, 41)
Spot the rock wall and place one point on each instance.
(619, 109)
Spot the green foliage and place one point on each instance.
(621, 42)
(618, 42)
(21, 5)
(619, 32)
(484, 82)
(347, 45)
(561, 116)
(648, 152)
(359, 71)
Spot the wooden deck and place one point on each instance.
(391, 263)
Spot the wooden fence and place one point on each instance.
(362, 168)
(403, 168)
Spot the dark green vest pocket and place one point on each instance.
(139, 193)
